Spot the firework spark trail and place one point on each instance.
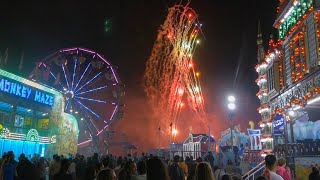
(170, 75)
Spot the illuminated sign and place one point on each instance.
(293, 15)
(278, 125)
(27, 92)
(31, 136)
(254, 131)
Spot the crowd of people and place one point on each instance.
(108, 167)
(144, 167)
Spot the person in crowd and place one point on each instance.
(271, 165)
(175, 171)
(142, 171)
(192, 171)
(26, 170)
(123, 174)
(244, 165)
(199, 160)
(183, 166)
(131, 169)
(210, 159)
(203, 172)
(226, 177)
(157, 169)
(98, 167)
(218, 172)
(63, 173)
(89, 175)
(2, 162)
(106, 174)
(95, 159)
(282, 170)
(55, 166)
(314, 175)
(72, 168)
(8, 168)
(229, 167)
(220, 161)
(11, 154)
(42, 165)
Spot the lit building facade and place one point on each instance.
(289, 76)
(32, 120)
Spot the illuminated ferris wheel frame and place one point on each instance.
(73, 87)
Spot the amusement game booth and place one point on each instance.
(32, 120)
(197, 145)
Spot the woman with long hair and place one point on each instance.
(156, 169)
(203, 172)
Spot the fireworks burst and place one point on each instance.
(171, 81)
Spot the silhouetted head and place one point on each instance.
(203, 172)
(156, 168)
(271, 162)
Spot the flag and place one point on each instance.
(21, 61)
(5, 56)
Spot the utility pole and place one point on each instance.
(209, 139)
(159, 143)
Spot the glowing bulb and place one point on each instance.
(197, 74)
(81, 119)
(190, 65)
(231, 106)
(174, 131)
(190, 15)
(231, 99)
(180, 91)
(181, 104)
(198, 41)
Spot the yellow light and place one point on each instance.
(197, 74)
(174, 131)
(198, 41)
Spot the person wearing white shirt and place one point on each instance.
(271, 165)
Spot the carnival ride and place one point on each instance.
(91, 88)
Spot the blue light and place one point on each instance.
(88, 109)
(26, 92)
(74, 72)
(89, 81)
(18, 147)
(82, 75)
(95, 100)
(83, 92)
(65, 76)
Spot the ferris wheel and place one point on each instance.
(90, 85)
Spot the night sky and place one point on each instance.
(39, 29)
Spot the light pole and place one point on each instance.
(231, 108)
